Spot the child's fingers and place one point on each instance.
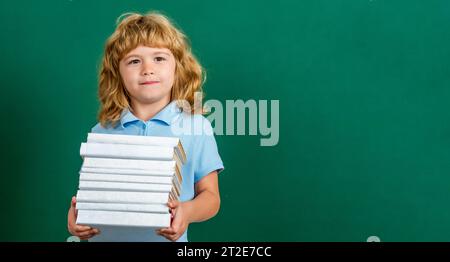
(87, 233)
(74, 201)
(92, 233)
(173, 204)
(81, 228)
(169, 237)
(84, 233)
(172, 237)
(87, 237)
(175, 237)
(167, 231)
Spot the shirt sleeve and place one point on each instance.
(98, 128)
(208, 158)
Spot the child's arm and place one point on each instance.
(206, 202)
(204, 206)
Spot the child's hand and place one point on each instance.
(179, 222)
(83, 232)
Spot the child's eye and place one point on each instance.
(134, 61)
(160, 58)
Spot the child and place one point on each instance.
(147, 69)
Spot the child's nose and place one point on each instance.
(148, 69)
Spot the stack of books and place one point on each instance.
(127, 181)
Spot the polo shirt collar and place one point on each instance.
(166, 115)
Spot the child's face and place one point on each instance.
(148, 74)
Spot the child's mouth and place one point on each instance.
(149, 82)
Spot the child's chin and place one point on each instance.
(150, 99)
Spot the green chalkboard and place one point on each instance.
(364, 121)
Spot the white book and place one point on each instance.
(120, 186)
(127, 151)
(126, 178)
(168, 166)
(124, 171)
(117, 171)
(132, 179)
(172, 142)
(127, 234)
(136, 172)
(149, 208)
(122, 197)
(117, 218)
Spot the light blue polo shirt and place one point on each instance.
(197, 137)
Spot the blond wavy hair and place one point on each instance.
(154, 30)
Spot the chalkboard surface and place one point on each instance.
(364, 120)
